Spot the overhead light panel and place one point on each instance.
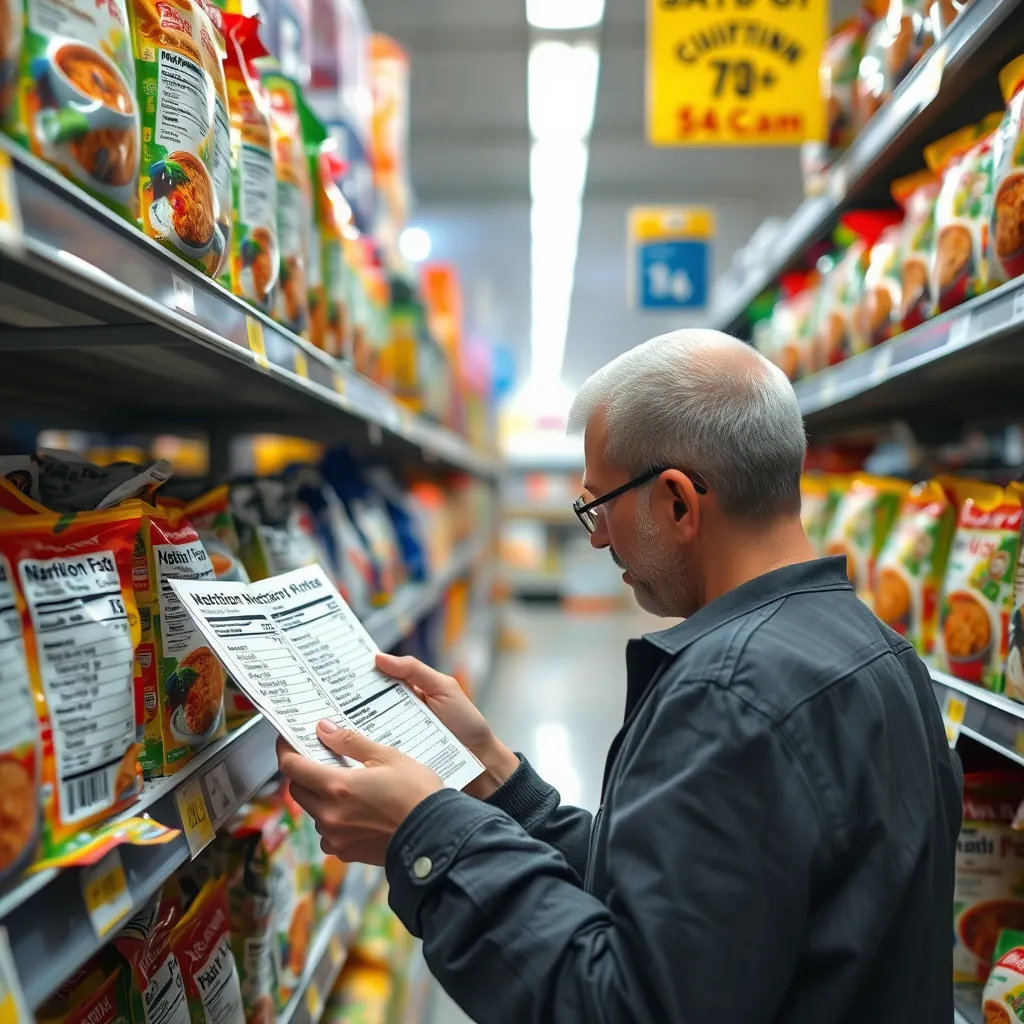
(561, 89)
(560, 15)
(414, 244)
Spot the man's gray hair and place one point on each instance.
(704, 402)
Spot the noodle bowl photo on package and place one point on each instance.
(182, 207)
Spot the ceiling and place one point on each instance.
(469, 163)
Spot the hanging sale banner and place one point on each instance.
(669, 257)
(735, 72)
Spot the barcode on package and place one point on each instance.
(86, 793)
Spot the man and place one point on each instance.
(780, 808)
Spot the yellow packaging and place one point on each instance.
(819, 496)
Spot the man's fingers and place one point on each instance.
(351, 744)
(303, 770)
(315, 804)
(412, 671)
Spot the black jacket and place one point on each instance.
(775, 842)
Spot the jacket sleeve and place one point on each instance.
(712, 830)
(529, 800)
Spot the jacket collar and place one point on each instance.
(819, 574)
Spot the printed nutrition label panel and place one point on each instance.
(300, 654)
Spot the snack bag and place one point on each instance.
(1003, 998)
(959, 263)
(840, 65)
(819, 496)
(72, 583)
(1006, 238)
(253, 267)
(916, 194)
(75, 104)
(860, 525)
(988, 892)
(181, 678)
(20, 753)
(337, 220)
(789, 329)
(185, 188)
(977, 594)
(912, 562)
(876, 317)
(10, 52)
(157, 992)
(96, 993)
(362, 995)
(314, 135)
(294, 200)
(201, 943)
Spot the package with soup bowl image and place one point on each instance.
(75, 103)
(1006, 239)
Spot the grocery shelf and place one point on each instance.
(330, 946)
(535, 582)
(890, 144)
(990, 718)
(553, 515)
(960, 367)
(967, 1008)
(45, 914)
(103, 329)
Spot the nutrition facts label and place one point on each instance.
(179, 561)
(17, 715)
(183, 117)
(300, 655)
(85, 661)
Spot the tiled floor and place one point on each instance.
(559, 700)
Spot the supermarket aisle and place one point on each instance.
(559, 700)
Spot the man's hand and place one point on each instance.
(443, 695)
(356, 811)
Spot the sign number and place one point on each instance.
(195, 819)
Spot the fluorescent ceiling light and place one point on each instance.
(558, 171)
(561, 88)
(414, 244)
(564, 14)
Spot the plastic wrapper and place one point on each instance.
(876, 316)
(96, 993)
(916, 193)
(1003, 998)
(1006, 239)
(819, 496)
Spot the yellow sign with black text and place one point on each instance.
(735, 72)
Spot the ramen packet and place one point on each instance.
(294, 198)
(314, 135)
(71, 576)
(1003, 998)
(988, 888)
(185, 186)
(916, 194)
(860, 525)
(156, 991)
(75, 105)
(181, 679)
(337, 226)
(876, 317)
(789, 328)
(977, 593)
(959, 265)
(10, 52)
(97, 993)
(1006, 238)
(253, 267)
(912, 562)
(362, 993)
(201, 943)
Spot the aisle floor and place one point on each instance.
(559, 700)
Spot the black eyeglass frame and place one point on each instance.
(583, 510)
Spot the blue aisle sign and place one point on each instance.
(670, 256)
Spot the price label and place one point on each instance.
(195, 818)
(880, 368)
(351, 912)
(105, 890)
(929, 79)
(314, 1003)
(301, 365)
(13, 1008)
(953, 717)
(959, 331)
(336, 951)
(838, 184)
(339, 383)
(10, 211)
(1018, 306)
(184, 295)
(828, 389)
(222, 793)
(257, 346)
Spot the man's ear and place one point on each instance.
(675, 506)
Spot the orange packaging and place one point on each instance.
(1006, 245)
(80, 625)
(916, 194)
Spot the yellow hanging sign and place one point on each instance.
(735, 72)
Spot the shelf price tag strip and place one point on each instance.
(13, 1008)
(953, 710)
(257, 346)
(106, 895)
(10, 211)
(195, 818)
(314, 1003)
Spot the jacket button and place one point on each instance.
(421, 867)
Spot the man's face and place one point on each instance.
(660, 574)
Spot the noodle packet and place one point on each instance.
(71, 577)
(75, 104)
(294, 199)
(181, 679)
(97, 993)
(977, 593)
(1003, 998)
(185, 187)
(876, 317)
(253, 267)
(1006, 238)
(989, 872)
(201, 944)
(10, 52)
(912, 562)
(860, 525)
(959, 263)
(916, 194)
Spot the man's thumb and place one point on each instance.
(349, 743)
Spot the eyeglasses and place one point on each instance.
(587, 511)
